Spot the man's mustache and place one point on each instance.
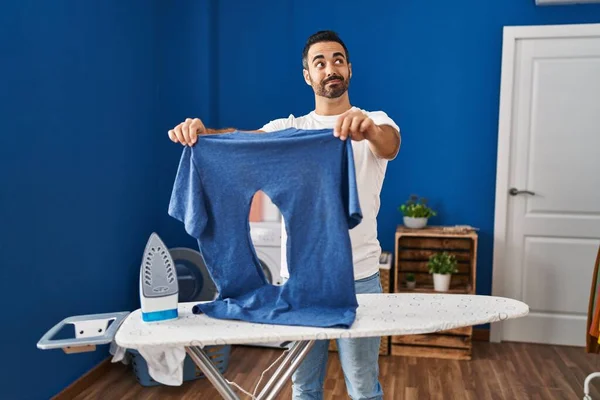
(333, 78)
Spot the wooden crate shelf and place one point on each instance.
(447, 341)
(429, 289)
(413, 247)
(431, 352)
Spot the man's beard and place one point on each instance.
(331, 92)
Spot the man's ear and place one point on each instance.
(306, 77)
(350, 71)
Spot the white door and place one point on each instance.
(547, 231)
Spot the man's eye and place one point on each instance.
(339, 61)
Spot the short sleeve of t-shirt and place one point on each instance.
(381, 118)
(187, 197)
(278, 124)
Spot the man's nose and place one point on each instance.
(329, 69)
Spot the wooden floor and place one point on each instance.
(497, 371)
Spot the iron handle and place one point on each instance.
(515, 191)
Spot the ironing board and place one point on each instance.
(377, 315)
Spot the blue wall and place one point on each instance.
(187, 87)
(88, 92)
(433, 66)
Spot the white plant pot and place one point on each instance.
(415, 223)
(441, 282)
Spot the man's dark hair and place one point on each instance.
(322, 36)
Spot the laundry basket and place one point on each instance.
(219, 355)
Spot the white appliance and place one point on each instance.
(270, 212)
(266, 238)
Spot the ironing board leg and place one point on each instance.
(271, 389)
(212, 373)
(292, 354)
(293, 359)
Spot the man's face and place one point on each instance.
(328, 72)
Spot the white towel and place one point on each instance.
(119, 353)
(165, 364)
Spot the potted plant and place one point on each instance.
(411, 282)
(416, 212)
(442, 266)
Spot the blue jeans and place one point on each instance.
(358, 357)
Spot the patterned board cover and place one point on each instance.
(377, 315)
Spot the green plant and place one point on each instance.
(416, 208)
(410, 277)
(442, 263)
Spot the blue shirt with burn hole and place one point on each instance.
(310, 176)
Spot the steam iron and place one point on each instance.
(159, 289)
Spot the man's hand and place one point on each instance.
(355, 125)
(187, 132)
(384, 140)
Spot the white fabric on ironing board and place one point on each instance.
(165, 364)
(377, 315)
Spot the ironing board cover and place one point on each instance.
(377, 315)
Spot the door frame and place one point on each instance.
(511, 35)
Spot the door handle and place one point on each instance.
(515, 191)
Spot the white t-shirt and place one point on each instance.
(370, 172)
